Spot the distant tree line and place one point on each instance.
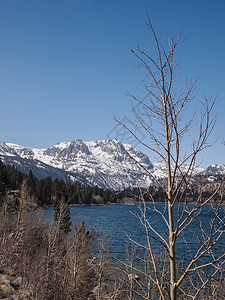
(46, 190)
(199, 190)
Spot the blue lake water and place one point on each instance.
(119, 221)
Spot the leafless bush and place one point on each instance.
(54, 265)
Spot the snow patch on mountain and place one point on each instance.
(6, 150)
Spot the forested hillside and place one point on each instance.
(44, 190)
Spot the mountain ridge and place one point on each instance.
(107, 163)
(104, 163)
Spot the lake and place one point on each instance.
(120, 221)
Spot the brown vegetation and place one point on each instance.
(49, 263)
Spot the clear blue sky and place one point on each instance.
(65, 66)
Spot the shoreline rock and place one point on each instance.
(12, 287)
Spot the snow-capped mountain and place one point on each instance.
(107, 163)
(215, 169)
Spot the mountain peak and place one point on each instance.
(6, 150)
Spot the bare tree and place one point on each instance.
(170, 130)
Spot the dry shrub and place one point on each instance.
(56, 266)
(52, 264)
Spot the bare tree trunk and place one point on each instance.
(172, 254)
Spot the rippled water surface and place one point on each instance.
(120, 221)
